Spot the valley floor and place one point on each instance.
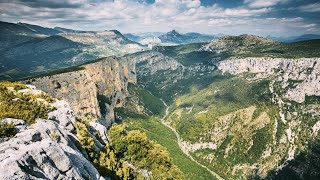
(185, 151)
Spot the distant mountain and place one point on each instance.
(200, 37)
(296, 38)
(65, 30)
(306, 37)
(145, 38)
(105, 41)
(132, 37)
(12, 34)
(40, 30)
(177, 38)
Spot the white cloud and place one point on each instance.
(310, 7)
(162, 15)
(263, 3)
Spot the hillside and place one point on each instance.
(255, 46)
(238, 43)
(13, 34)
(175, 37)
(30, 50)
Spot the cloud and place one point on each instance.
(263, 3)
(310, 7)
(48, 4)
(160, 15)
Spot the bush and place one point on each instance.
(135, 148)
(22, 106)
(14, 85)
(7, 130)
(54, 136)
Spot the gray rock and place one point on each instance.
(102, 130)
(304, 71)
(36, 154)
(63, 115)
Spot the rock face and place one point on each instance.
(151, 62)
(95, 89)
(301, 76)
(46, 150)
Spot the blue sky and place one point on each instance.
(259, 17)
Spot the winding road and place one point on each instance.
(180, 144)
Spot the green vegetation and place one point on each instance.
(312, 99)
(135, 148)
(303, 49)
(156, 131)
(304, 166)
(220, 98)
(15, 86)
(261, 139)
(184, 86)
(54, 136)
(7, 130)
(187, 54)
(293, 83)
(148, 101)
(14, 104)
(128, 154)
(199, 111)
(174, 51)
(140, 97)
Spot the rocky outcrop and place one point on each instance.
(151, 62)
(47, 149)
(300, 76)
(94, 89)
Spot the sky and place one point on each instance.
(233, 17)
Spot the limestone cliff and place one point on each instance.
(93, 89)
(301, 76)
(96, 89)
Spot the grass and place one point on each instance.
(156, 131)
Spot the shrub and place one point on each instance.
(16, 86)
(7, 130)
(135, 148)
(22, 106)
(54, 136)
